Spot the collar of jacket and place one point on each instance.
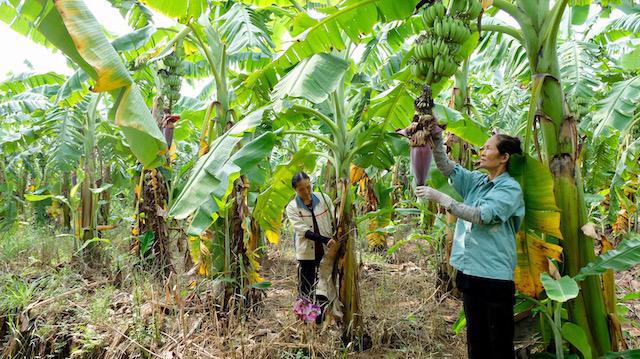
(314, 201)
(500, 178)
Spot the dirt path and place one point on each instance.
(403, 314)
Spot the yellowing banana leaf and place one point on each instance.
(541, 215)
(533, 254)
(72, 28)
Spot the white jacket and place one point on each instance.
(300, 218)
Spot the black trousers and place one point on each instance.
(488, 306)
(307, 278)
(307, 282)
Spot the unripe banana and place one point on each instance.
(424, 67)
(428, 17)
(416, 69)
(475, 9)
(441, 9)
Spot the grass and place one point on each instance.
(403, 312)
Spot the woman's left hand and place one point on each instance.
(431, 194)
(331, 243)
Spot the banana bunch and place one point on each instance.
(428, 48)
(436, 11)
(171, 75)
(453, 30)
(437, 53)
(473, 10)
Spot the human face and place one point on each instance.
(490, 158)
(303, 190)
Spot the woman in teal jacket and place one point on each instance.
(484, 249)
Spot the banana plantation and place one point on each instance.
(320, 179)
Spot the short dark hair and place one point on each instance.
(509, 144)
(297, 178)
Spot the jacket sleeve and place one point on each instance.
(500, 204)
(316, 237)
(444, 164)
(462, 180)
(294, 217)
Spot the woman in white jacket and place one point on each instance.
(311, 213)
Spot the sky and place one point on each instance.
(24, 51)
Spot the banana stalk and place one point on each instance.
(539, 30)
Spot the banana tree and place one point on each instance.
(538, 32)
(350, 137)
(220, 44)
(375, 206)
(70, 27)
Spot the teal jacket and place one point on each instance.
(487, 250)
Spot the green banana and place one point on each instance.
(475, 8)
(429, 75)
(443, 47)
(417, 51)
(423, 50)
(427, 16)
(441, 9)
(447, 29)
(416, 70)
(424, 67)
(429, 50)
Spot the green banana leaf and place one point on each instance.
(575, 335)
(266, 3)
(355, 18)
(213, 173)
(18, 83)
(560, 290)
(627, 354)
(271, 203)
(618, 108)
(312, 79)
(626, 168)
(625, 256)
(541, 214)
(25, 102)
(394, 105)
(24, 17)
(183, 10)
